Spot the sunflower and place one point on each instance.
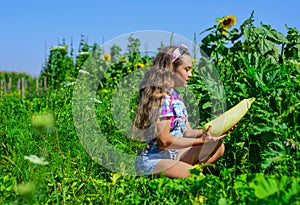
(139, 65)
(124, 60)
(227, 22)
(200, 199)
(106, 57)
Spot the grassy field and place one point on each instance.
(45, 160)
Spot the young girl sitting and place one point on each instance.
(173, 146)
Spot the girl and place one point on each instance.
(173, 146)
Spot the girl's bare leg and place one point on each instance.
(173, 168)
(208, 153)
(217, 155)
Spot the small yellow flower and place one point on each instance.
(198, 166)
(227, 22)
(124, 61)
(140, 65)
(200, 199)
(115, 178)
(106, 57)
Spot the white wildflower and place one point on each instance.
(69, 84)
(58, 48)
(84, 72)
(83, 53)
(96, 100)
(36, 160)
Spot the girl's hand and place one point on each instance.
(234, 126)
(207, 137)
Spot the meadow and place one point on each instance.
(51, 151)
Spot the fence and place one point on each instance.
(23, 86)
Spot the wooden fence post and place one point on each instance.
(23, 88)
(4, 87)
(45, 84)
(18, 85)
(37, 86)
(9, 86)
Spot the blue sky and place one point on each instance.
(29, 28)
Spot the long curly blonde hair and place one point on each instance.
(154, 86)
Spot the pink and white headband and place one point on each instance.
(178, 52)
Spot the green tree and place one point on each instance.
(58, 65)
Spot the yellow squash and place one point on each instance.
(231, 117)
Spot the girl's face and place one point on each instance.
(183, 72)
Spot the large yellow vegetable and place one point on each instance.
(231, 117)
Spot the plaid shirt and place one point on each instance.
(173, 107)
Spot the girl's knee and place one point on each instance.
(221, 149)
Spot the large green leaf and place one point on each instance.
(277, 36)
(265, 45)
(264, 187)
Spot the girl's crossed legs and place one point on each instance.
(207, 153)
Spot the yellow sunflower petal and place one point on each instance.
(106, 57)
(227, 22)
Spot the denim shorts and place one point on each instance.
(148, 158)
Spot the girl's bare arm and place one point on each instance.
(166, 141)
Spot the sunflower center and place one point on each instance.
(227, 22)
